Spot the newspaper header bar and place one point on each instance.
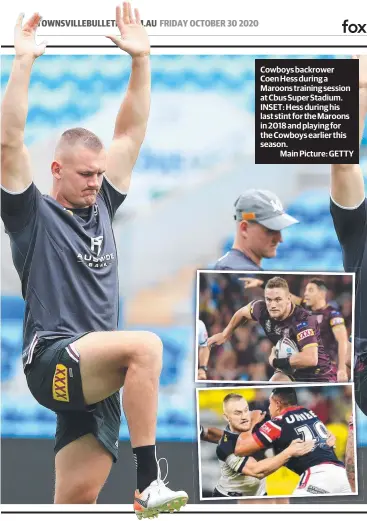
(198, 23)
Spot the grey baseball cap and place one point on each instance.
(263, 207)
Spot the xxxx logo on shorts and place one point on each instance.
(60, 391)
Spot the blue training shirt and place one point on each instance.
(236, 260)
(66, 260)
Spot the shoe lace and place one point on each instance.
(160, 480)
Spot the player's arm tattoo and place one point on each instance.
(349, 460)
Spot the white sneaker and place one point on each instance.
(158, 498)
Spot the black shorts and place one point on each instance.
(54, 380)
(360, 382)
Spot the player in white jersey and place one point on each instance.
(75, 359)
(204, 350)
(243, 476)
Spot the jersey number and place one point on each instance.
(317, 431)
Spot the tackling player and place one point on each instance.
(204, 351)
(244, 476)
(348, 208)
(63, 248)
(280, 319)
(260, 218)
(320, 470)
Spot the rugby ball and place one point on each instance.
(285, 347)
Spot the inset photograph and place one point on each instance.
(277, 327)
(276, 441)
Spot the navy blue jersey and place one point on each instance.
(236, 260)
(226, 447)
(233, 481)
(297, 423)
(225, 451)
(66, 261)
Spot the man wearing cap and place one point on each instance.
(348, 208)
(260, 218)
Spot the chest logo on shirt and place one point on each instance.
(95, 259)
(268, 326)
(278, 330)
(96, 244)
(319, 318)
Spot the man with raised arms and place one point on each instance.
(348, 208)
(63, 248)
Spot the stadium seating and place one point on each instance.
(68, 89)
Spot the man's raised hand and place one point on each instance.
(24, 37)
(134, 38)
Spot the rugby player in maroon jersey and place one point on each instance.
(280, 318)
(331, 323)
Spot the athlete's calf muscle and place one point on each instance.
(82, 468)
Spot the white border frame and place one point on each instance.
(328, 20)
(229, 389)
(301, 273)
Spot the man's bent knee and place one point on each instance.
(147, 354)
(153, 344)
(149, 346)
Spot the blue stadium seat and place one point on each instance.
(68, 89)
